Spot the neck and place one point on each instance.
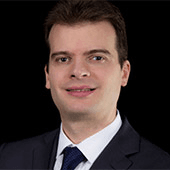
(80, 129)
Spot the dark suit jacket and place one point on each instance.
(127, 150)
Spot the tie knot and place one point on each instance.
(72, 157)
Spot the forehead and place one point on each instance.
(84, 36)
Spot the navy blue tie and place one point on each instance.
(72, 157)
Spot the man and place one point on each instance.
(87, 67)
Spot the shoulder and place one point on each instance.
(148, 148)
(26, 145)
(151, 156)
(145, 154)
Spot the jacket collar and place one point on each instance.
(115, 155)
(45, 153)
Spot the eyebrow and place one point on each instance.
(66, 53)
(97, 51)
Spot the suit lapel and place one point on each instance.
(113, 160)
(115, 155)
(44, 154)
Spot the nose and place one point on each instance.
(79, 70)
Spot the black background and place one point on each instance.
(27, 109)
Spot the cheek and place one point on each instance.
(55, 78)
(111, 80)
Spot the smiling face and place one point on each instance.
(84, 75)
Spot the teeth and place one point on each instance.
(80, 90)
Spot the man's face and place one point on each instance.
(85, 76)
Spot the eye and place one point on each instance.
(98, 58)
(63, 59)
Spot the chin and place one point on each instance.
(81, 106)
(79, 109)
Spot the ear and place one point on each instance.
(125, 73)
(47, 85)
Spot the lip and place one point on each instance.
(82, 91)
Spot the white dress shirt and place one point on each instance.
(90, 147)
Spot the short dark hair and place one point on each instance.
(71, 12)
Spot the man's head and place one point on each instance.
(86, 69)
(73, 12)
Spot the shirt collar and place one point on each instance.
(93, 145)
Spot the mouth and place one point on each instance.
(82, 91)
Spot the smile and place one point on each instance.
(82, 91)
(79, 90)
